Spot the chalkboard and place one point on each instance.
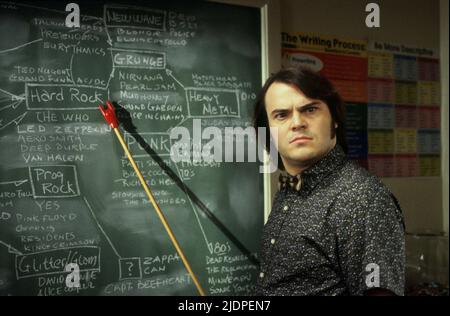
(67, 192)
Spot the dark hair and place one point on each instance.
(314, 86)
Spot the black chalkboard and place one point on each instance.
(67, 192)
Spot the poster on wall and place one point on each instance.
(344, 63)
(392, 96)
(404, 81)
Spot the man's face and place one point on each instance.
(304, 126)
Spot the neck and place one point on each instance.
(295, 169)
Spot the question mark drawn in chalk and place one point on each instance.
(130, 265)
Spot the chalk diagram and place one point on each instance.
(78, 93)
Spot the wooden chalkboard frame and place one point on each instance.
(264, 74)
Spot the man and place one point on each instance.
(334, 229)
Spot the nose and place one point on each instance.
(298, 121)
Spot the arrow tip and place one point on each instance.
(20, 182)
(17, 120)
(16, 105)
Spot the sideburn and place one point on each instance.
(333, 129)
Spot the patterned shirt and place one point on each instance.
(342, 233)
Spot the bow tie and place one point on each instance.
(288, 181)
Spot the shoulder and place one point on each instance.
(362, 194)
(358, 184)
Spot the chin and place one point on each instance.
(304, 156)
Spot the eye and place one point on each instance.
(311, 109)
(280, 115)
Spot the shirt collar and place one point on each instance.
(319, 171)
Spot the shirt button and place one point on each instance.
(272, 241)
(261, 275)
(285, 208)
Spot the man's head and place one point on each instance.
(308, 114)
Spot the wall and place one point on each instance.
(418, 23)
(412, 22)
(415, 23)
(444, 113)
(427, 212)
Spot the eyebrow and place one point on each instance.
(308, 105)
(303, 107)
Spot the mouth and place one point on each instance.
(300, 140)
